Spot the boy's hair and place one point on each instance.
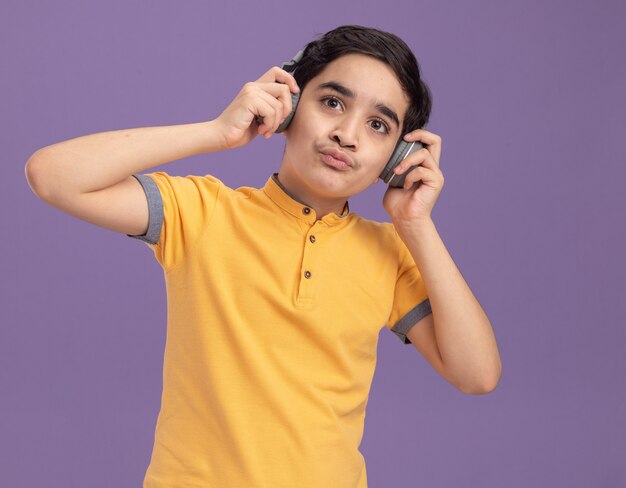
(383, 46)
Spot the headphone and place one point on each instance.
(401, 151)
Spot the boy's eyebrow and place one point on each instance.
(346, 92)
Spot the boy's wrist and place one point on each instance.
(213, 137)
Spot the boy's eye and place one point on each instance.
(331, 102)
(379, 124)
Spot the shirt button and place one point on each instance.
(312, 238)
(307, 274)
(306, 210)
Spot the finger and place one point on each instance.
(272, 121)
(276, 74)
(425, 175)
(429, 139)
(428, 161)
(415, 175)
(280, 92)
(265, 106)
(414, 159)
(276, 91)
(271, 117)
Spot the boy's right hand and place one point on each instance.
(268, 97)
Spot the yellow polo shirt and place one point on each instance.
(273, 320)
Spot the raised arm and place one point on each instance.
(90, 177)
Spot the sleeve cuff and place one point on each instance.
(155, 210)
(410, 319)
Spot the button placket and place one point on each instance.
(308, 282)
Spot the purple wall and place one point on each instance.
(529, 100)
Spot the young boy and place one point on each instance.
(276, 296)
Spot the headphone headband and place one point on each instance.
(290, 65)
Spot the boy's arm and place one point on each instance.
(459, 342)
(96, 161)
(90, 177)
(422, 336)
(457, 338)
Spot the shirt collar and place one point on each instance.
(296, 207)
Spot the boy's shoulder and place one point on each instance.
(381, 231)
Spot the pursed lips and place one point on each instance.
(340, 155)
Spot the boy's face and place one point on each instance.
(349, 107)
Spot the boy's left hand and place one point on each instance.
(414, 203)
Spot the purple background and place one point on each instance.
(529, 100)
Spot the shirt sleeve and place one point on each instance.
(410, 302)
(180, 210)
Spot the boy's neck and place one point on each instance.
(321, 207)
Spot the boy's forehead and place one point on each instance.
(364, 62)
(341, 67)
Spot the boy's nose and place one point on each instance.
(346, 133)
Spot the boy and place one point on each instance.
(276, 295)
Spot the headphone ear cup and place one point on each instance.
(401, 151)
(394, 160)
(295, 98)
